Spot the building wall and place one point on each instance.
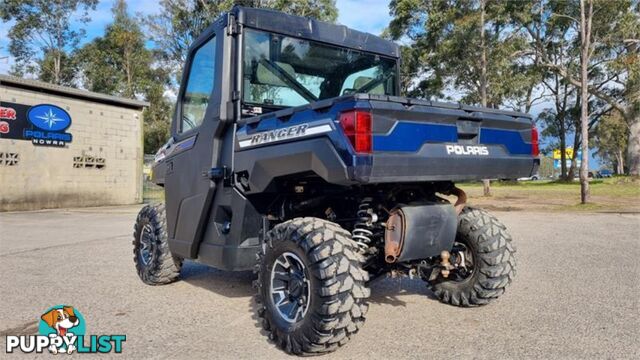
(50, 177)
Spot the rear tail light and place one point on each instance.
(356, 125)
(535, 147)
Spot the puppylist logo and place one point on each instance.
(62, 330)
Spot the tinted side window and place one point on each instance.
(199, 86)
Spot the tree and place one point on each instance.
(157, 115)
(67, 70)
(410, 71)
(613, 71)
(181, 21)
(586, 20)
(178, 24)
(324, 10)
(611, 136)
(546, 167)
(466, 46)
(120, 64)
(557, 123)
(42, 38)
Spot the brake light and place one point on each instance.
(535, 147)
(356, 125)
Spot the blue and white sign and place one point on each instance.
(49, 123)
(49, 117)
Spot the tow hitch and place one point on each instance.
(458, 262)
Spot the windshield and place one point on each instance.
(283, 71)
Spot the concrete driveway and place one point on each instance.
(576, 294)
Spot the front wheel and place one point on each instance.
(484, 261)
(151, 255)
(311, 286)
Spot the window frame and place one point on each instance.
(178, 132)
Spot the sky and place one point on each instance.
(370, 16)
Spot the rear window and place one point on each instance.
(286, 71)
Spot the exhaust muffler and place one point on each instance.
(415, 232)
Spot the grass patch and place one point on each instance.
(591, 207)
(613, 194)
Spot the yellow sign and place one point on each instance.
(557, 155)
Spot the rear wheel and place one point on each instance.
(154, 263)
(311, 286)
(484, 261)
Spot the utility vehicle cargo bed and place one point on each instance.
(409, 140)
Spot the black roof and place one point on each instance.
(340, 35)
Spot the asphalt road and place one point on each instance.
(576, 294)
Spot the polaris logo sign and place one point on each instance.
(49, 123)
(467, 150)
(287, 133)
(43, 124)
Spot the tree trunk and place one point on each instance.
(633, 149)
(563, 150)
(483, 79)
(486, 185)
(620, 162)
(574, 162)
(585, 46)
(56, 67)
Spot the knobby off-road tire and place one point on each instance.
(494, 264)
(337, 306)
(154, 263)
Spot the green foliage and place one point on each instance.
(68, 68)
(181, 21)
(613, 73)
(447, 49)
(410, 70)
(178, 24)
(546, 169)
(611, 139)
(42, 38)
(554, 125)
(157, 117)
(117, 63)
(324, 10)
(120, 64)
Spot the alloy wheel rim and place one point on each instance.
(146, 245)
(290, 287)
(464, 263)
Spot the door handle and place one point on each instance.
(216, 173)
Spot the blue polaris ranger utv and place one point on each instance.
(293, 154)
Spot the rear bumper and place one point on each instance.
(432, 163)
(337, 166)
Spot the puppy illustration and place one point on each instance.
(61, 320)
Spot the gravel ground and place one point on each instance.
(575, 295)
